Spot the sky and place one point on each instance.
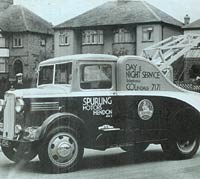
(58, 11)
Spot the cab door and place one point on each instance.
(97, 92)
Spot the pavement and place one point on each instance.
(111, 164)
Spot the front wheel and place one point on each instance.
(61, 150)
(182, 148)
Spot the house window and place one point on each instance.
(2, 42)
(64, 38)
(17, 41)
(122, 35)
(92, 37)
(2, 65)
(147, 34)
(42, 42)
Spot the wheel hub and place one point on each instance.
(186, 146)
(64, 149)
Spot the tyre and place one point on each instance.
(182, 148)
(61, 150)
(137, 148)
(183, 141)
(19, 152)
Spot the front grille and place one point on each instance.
(9, 117)
(45, 106)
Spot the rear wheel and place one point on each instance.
(19, 152)
(184, 140)
(61, 150)
(182, 148)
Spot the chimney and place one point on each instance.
(186, 19)
(4, 4)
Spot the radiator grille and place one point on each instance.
(9, 117)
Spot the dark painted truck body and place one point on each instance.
(98, 102)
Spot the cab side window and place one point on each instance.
(63, 73)
(97, 76)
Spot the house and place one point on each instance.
(192, 58)
(193, 27)
(121, 27)
(25, 40)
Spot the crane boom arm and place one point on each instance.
(166, 52)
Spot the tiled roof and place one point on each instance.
(116, 13)
(19, 19)
(193, 25)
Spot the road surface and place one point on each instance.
(111, 164)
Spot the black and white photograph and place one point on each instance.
(99, 89)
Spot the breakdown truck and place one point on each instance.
(98, 101)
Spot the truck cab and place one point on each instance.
(97, 102)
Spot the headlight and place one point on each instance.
(2, 104)
(19, 105)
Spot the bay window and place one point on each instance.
(92, 37)
(122, 35)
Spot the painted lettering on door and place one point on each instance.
(99, 106)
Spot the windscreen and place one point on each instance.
(63, 73)
(46, 75)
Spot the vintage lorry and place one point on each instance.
(97, 102)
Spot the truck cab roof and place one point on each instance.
(82, 57)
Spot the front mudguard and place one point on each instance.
(62, 119)
(37, 133)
